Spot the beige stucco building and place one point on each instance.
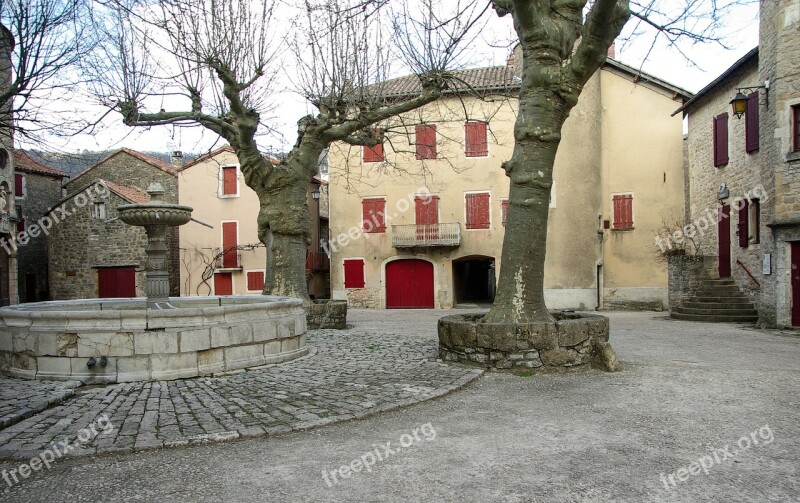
(220, 253)
(439, 182)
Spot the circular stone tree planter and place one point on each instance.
(120, 340)
(572, 340)
(326, 313)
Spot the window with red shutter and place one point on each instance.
(751, 123)
(721, 140)
(223, 283)
(230, 187)
(354, 273)
(796, 128)
(426, 141)
(477, 210)
(373, 215)
(755, 221)
(20, 225)
(255, 280)
(475, 144)
(744, 224)
(19, 185)
(374, 154)
(230, 257)
(504, 211)
(623, 211)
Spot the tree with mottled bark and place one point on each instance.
(564, 42)
(224, 51)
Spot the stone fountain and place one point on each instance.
(153, 338)
(155, 216)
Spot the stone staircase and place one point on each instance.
(716, 300)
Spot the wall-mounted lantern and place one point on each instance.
(739, 102)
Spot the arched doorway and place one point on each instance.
(474, 280)
(409, 284)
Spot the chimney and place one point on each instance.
(612, 51)
(515, 60)
(177, 159)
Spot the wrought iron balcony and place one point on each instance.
(231, 259)
(422, 235)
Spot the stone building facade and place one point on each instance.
(92, 253)
(41, 191)
(439, 185)
(750, 166)
(8, 256)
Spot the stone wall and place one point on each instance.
(80, 244)
(686, 272)
(122, 245)
(42, 193)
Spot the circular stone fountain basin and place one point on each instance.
(120, 340)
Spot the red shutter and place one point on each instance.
(796, 127)
(427, 217)
(374, 154)
(721, 140)
(229, 180)
(623, 211)
(223, 283)
(426, 141)
(751, 123)
(504, 211)
(744, 224)
(19, 185)
(20, 225)
(116, 282)
(255, 280)
(477, 211)
(475, 139)
(354, 273)
(229, 245)
(373, 215)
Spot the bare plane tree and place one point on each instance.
(564, 42)
(218, 56)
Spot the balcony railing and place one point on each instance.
(420, 235)
(317, 261)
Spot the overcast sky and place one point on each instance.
(709, 61)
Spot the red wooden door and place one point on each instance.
(409, 284)
(427, 215)
(116, 282)
(229, 244)
(724, 240)
(223, 283)
(796, 283)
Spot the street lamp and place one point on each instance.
(315, 194)
(739, 102)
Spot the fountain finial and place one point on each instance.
(156, 191)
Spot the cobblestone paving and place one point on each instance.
(22, 398)
(353, 373)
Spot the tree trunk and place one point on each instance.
(537, 132)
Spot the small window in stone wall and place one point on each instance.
(99, 211)
(796, 128)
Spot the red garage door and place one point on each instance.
(409, 284)
(117, 282)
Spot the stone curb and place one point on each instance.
(37, 407)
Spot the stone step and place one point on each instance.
(719, 305)
(714, 318)
(717, 299)
(716, 311)
(726, 290)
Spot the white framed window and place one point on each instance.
(99, 211)
(229, 181)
